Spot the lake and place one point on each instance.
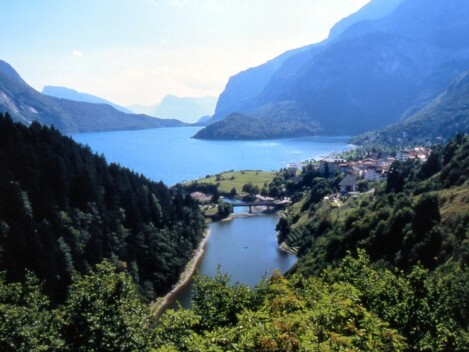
(246, 248)
(171, 155)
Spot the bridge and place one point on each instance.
(263, 203)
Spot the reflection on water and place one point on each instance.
(246, 248)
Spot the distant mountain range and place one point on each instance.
(71, 94)
(186, 109)
(26, 105)
(378, 67)
(438, 121)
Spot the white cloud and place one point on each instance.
(77, 53)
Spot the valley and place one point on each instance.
(240, 176)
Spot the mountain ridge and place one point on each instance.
(72, 94)
(375, 73)
(244, 86)
(26, 105)
(186, 109)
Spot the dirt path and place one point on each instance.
(159, 305)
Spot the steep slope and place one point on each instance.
(373, 72)
(8, 71)
(27, 105)
(371, 11)
(243, 87)
(441, 119)
(71, 94)
(64, 209)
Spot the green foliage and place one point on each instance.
(282, 315)
(401, 224)
(224, 210)
(425, 307)
(217, 301)
(284, 121)
(228, 181)
(103, 313)
(63, 209)
(417, 227)
(26, 321)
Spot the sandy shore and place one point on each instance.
(159, 305)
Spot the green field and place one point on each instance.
(228, 180)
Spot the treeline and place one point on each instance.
(387, 273)
(354, 306)
(63, 209)
(279, 124)
(383, 272)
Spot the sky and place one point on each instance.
(137, 51)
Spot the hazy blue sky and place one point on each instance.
(137, 51)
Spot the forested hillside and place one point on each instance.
(285, 122)
(388, 273)
(382, 272)
(63, 209)
(419, 215)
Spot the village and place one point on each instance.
(359, 176)
(369, 169)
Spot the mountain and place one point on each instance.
(371, 11)
(27, 105)
(8, 71)
(246, 85)
(440, 119)
(283, 122)
(375, 72)
(186, 109)
(71, 94)
(204, 119)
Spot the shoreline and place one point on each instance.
(159, 305)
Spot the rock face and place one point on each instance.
(377, 67)
(441, 119)
(26, 105)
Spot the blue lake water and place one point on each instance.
(171, 155)
(245, 248)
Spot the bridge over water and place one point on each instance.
(265, 203)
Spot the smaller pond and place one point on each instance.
(245, 247)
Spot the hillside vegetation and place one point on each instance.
(387, 274)
(232, 182)
(63, 210)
